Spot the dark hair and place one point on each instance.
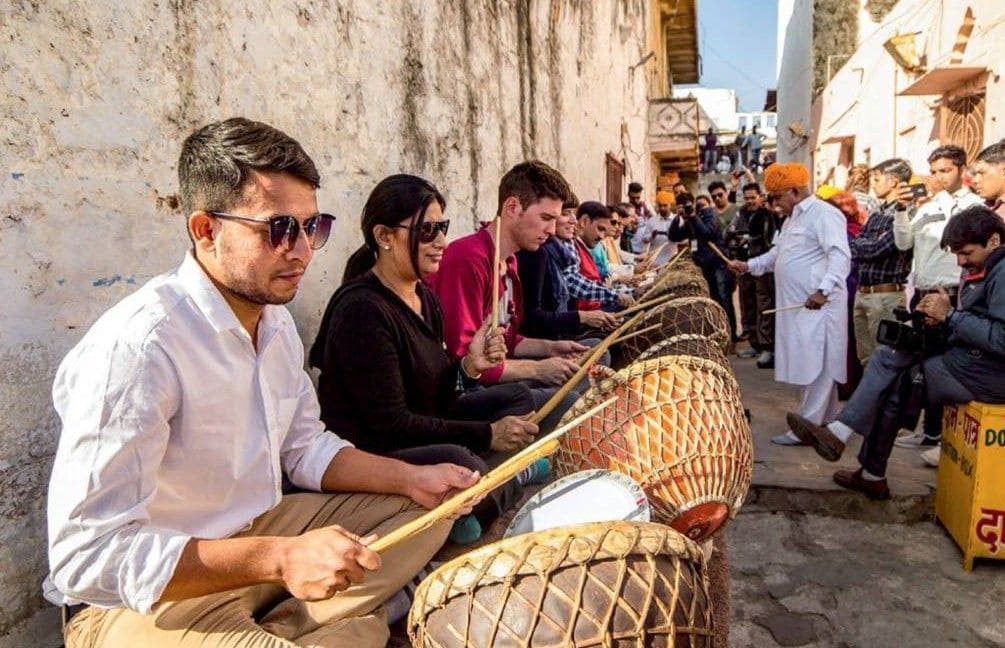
(950, 152)
(896, 167)
(531, 181)
(686, 197)
(975, 225)
(571, 202)
(994, 154)
(679, 182)
(620, 209)
(594, 210)
(634, 187)
(751, 186)
(717, 184)
(216, 161)
(395, 199)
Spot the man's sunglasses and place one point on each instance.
(284, 230)
(429, 230)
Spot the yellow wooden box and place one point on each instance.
(970, 498)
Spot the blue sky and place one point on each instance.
(737, 46)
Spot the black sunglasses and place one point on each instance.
(429, 230)
(284, 230)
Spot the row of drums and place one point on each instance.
(677, 444)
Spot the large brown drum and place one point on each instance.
(678, 429)
(686, 315)
(679, 283)
(623, 584)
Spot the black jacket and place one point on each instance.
(705, 228)
(542, 317)
(976, 354)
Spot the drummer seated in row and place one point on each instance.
(182, 409)
(387, 383)
(549, 310)
(531, 196)
(583, 276)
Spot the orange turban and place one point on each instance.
(786, 175)
(665, 198)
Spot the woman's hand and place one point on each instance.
(487, 349)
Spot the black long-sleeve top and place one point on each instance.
(705, 228)
(386, 379)
(542, 317)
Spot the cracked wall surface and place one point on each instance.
(99, 95)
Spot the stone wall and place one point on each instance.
(98, 96)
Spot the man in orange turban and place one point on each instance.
(811, 261)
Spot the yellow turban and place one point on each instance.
(665, 198)
(826, 192)
(786, 175)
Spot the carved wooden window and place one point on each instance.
(615, 178)
(963, 123)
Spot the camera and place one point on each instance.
(687, 209)
(910, 334)
(918, 190)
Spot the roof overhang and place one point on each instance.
(942, 79)
(838, 139)
(679, 19)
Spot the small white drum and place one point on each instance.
(597, 495)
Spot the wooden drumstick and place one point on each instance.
(641, 306)
(718, 253)
(772, 311)
(584, 368)
(504, 472)
(495, 276)
(663, 272)
(639, 332)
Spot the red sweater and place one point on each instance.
(464, 287)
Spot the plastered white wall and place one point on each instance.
(98, 96)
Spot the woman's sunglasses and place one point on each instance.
(284, 230)
(429, 230)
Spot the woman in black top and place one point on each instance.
(387, 382)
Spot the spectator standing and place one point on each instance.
(711, 151)
(882, 268)
(742, 151)
(810, 260)
(756, 141)
(989, 177)
(725, 209)
(859, 180)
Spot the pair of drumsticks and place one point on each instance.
(770, 311)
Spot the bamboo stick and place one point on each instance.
(639, 332)
(584, 368)
(495, 276)
(772, 311)
(718, 253)
(504, 472)
(641, 306)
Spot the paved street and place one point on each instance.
(814, 565)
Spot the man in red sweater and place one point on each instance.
(530, 200)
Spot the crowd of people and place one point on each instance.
(204, 486)
(889, 289)
(725, 157)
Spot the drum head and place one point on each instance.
(596, 495)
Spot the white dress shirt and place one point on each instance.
(932, 266)
(174, 427)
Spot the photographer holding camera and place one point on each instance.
(702, 227)
(969, 369)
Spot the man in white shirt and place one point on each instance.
(811, 261)
(933, 267)
(182, 409)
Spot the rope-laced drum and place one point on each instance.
(678, 429)
(689, 344)
(694, 315)
(598, 584)
(679, 283)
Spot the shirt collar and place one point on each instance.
(214, 307)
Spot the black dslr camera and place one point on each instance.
(910, 334)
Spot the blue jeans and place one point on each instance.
(873, 410)
(720, 286)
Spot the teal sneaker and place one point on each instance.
(466, 529)
(536, 473)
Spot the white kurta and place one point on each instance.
(810, 253)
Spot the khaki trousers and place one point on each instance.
(868, 311)
(267, 616)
